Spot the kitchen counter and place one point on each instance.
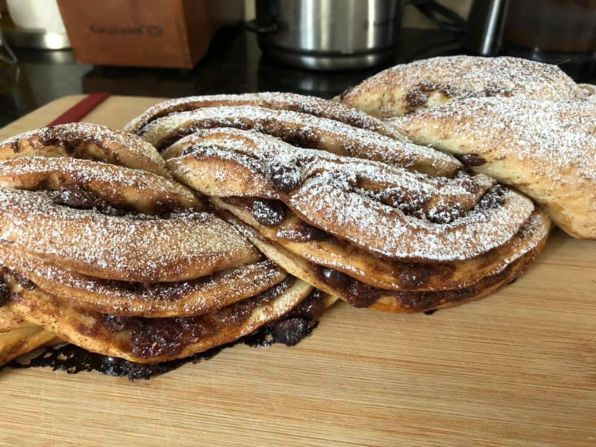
(234, 64)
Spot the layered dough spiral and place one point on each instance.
(353, 210)
(524, 123)
(546, 149)
(101, 248)
(303, 121)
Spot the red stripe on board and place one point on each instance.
(81, 109)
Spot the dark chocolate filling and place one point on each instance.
(291, 331)
(471, 159)
(79, 198)
(4, 293)
(334, 278)
(272, 213)
(268, 212)
(70, 358)
(152, 337)
(23, 281)
(311, 308)
(467, 182)
(358, 293)
(409, 204)
(445, 215)
(284, 177)
(74, 147)
(419, 94)
(362, 295)
(494, 198)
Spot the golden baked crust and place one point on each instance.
(183, 246)
(122, 187)
(9, 320)
(85, 140)
(310, 105)
(345, 197)
(545, 149)
(101, 247)
(23, 339)
(395, 238)
(408, 287)
(157, 340)
(383, 273)
(428, 83)
(121, 298)
(303, 130)
(405, 299)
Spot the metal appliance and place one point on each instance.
(328, 34)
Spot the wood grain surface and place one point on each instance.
(515, 369)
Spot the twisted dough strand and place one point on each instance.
(102, 248)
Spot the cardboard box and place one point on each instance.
(145, 33)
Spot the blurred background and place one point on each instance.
(170, 48)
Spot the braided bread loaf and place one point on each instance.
(100, 247)
(108, 246)
(350, 208)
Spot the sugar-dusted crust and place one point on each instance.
(338, 195)
(303, 130)
(546, 149)
(124, 248)
(522, 251)
(310, 105)
(86, 140)
(428, 83)
(417, 240)
(393, 275)
(121, 298)
(118, 186)
(100, 247)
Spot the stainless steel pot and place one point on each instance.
(328, 34)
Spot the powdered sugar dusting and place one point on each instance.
(460, 77)
(344, 196)
(84, 172)
(332, 135)
(148, 300)
(116, 247)
(272, 100)
(552, 138)
(116, 141)
(259, 152)
(387, 231)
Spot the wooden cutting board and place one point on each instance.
(515, 369)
